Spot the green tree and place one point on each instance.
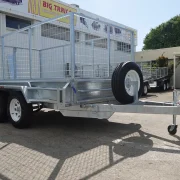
(164, 36)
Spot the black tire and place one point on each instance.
(26, 111)
(118, 85)
(172, 129)
(167, 86)
(3, 107)
(114, 78)
(145, 90)
(164, 87)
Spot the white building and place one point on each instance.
(149, 55)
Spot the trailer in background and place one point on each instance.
(155, 77)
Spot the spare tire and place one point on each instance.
(122, 77)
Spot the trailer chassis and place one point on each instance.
(104, 109)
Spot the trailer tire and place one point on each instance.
(172, 129)
(3, 107)
(124, 73)
(145, 90)
(114, 78)
(164, 86)
(19, 111)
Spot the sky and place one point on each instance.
(138, 14)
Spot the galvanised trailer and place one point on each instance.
(80, 78)
(155, 77)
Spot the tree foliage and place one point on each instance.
(164, 36)
(162, 61)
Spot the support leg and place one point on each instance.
(175, 100)
(172, 129)
(174, 119)
(135, 84)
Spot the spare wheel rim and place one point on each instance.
(15, 110)
(131, 76)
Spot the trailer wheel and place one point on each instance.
(3, 107)
(172, 129)
(114, 79)
(122, 77)
(19, 112)
(145, 90)
(164, 87)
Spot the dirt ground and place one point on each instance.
(127, 146)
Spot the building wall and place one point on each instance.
(149, 55)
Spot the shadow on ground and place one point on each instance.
(149, 95)
(159, 90)
(63, 138)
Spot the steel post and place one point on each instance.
(72, 42)
(93, 57)
(174, 104)
(109, 50)
(14, 62)
(132, 47)
(40, 63)
(64, 73)
(174, 82)
(30, 52)
(3, 67)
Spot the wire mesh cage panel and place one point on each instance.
(68, 46)
(146, 69)
(15, 61)
(101, 48)
(55, 56)
(159, 72)
(150, 72)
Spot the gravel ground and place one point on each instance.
(127, 146)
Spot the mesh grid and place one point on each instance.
(45, 50)
(150, 72)
(92, 51)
